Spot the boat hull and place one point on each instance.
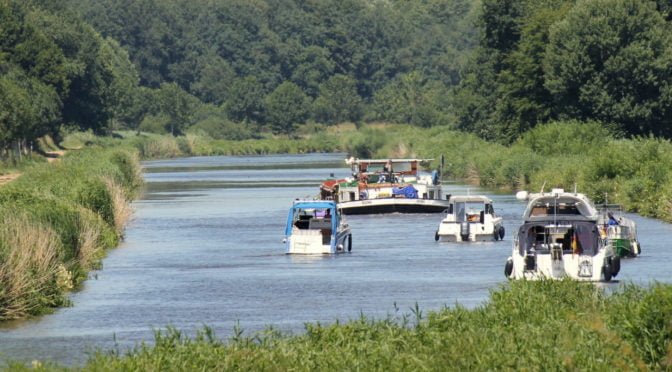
(577, 267)
(477, 232)
(393, 205)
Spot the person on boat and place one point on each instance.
(612, 220)
(327, 214)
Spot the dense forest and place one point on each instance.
(236, 69)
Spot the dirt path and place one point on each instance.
(51, 156)
(4, 178)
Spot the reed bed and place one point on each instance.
(71, 212)
(29, 253)
(546, 325)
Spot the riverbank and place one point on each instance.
(57, 221)
(539, 325)
(595, 160)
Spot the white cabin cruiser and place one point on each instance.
(560, 238)
(316, 227)
(387, 186)
(470, 218)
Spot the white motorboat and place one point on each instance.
(387, 186)
(560, 238)
(316, 227)
(470, 218)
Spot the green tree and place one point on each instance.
(215, 78)
(611, 60)
(409, 99)
(177, 105)
(287, 106)
(247, 105)
(338, 101)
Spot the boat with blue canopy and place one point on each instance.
(316, 227)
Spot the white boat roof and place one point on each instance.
(573, 206)
(470, 198)
(384, 161)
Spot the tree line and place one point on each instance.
(236, 68)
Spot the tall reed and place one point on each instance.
(30, 262)
(83, 203)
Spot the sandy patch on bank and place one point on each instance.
(4, 178)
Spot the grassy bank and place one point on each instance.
(57, 221)
(543, 325)
(631, 172)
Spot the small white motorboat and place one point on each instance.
(316, 227)
(560, 238)
(470, 218)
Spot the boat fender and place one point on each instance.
(508, 267)
(637, 248)
(615, 265)
(501, 232)
(436, 236)
(495, 235)
(607, 271)
(349, 243)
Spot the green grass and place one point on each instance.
(75, 201)
(545, 325)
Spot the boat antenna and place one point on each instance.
(574, 188)
(542, 187)
(555, 211)
(443, 161)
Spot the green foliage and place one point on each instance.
(158, 124)
(72, 201)
(286, 107)
(222, 128)
(555, 325)
(566, 137)
(338, 101)
(609, 60)
(247, 105)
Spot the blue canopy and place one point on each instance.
(316, 204)
(407, 191)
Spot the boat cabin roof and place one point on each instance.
(470, 199)
(568, 206)
(312, 210)
(385, 161)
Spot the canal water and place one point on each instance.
(204, 248)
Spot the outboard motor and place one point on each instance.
(464, 231)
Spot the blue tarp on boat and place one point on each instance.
(408, 191)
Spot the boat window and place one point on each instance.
(571, 238)
(549, 210)
(402, 167)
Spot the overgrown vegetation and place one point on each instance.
(58, 219)
(556, 325)
(238, 69)
(599, 161)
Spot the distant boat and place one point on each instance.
(620, 231)
(470, 218)
(560, 238)
(387, 186)
(316, 227)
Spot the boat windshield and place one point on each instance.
(310, 216)
(468, 211)
(572, 236)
